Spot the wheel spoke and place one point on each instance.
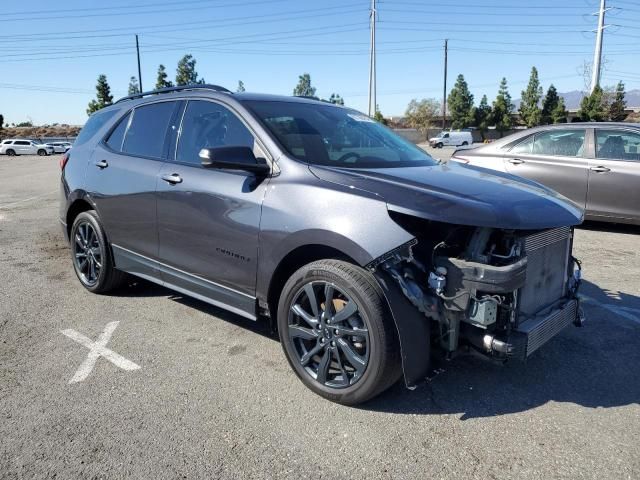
(298, 310)
(92, 270)
(309, 355)
(355, 332)
(356, 361)
(79, 240)
(328, 300)
(313, 301)
(81, 255)
(345, 375)
(347, 311)
(300, 332)
(82, 265)
(82, 230)
(323, 366)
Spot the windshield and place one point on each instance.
(330, 135)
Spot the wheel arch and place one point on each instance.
(76, 207)
(292, 261)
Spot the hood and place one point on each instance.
(461, 194)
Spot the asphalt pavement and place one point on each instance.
(145, 383)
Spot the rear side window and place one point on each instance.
(117, 135)
(7, 142)
(617, 145)
(148, 129)
(95, 123)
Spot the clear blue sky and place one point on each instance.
(51, 57)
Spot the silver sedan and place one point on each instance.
(596, 165)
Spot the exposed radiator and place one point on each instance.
(547, 262)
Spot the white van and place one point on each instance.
(454, 139)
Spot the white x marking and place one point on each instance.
(97, 349)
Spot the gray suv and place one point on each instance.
(365, 254)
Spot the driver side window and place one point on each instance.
(209, 125)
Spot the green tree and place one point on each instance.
(133, 86)
(549, 104)
(336, 99)
(530, 112)
(483, 116)
(240, 86)
(460, 103)
(103, 96)
(420, 114)
(618, 106)
(304, 88)
(559, 114)
(186, 72)
(161, 79)
(378, 117)
(503, 109)
(593, 108)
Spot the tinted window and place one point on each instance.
(330, 135)
(208, 125)
(567, 143)
(116, 137)
(618, 145)
(523, 147)
(95, 122)
(21, 142)
(7, 142)
(147, 130)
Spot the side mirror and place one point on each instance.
(234, 158)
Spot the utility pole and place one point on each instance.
(139, 71)
(597, 56)
(444, 94)
(372, 61)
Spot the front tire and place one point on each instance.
(336, 334)
(91, 255)
(439, 145)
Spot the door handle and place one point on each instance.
(515, 161)
(600, 169)
(102, 164)
(172, 178)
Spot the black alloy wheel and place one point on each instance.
(336, 331)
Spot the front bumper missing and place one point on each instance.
(535, 332)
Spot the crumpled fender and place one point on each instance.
(414, 331)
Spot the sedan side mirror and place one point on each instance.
(234, 158)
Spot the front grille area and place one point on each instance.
(540, 331)
(547, 262)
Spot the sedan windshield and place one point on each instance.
(331, 135)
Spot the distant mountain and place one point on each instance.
(572, 99)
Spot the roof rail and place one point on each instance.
(215, 88)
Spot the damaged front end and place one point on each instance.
(502, 292)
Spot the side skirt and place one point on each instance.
(191, 285)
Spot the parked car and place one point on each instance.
(596, 165)
(60, 147)
(361, 250)
(456, 139)
(21, 146)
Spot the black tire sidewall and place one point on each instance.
(368, 385)
(11, 153)
(92, 218)
(42, 153)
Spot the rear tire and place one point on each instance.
(91, 255)
(438, 145)
(347, 358)
(11, 153)
(42, 152)
(464, 144)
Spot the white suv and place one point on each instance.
(20, 146)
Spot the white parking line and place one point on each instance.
(629, 313)
(8, 205)
(96, 350)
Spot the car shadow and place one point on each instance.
(597, 366)
(610, 227)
